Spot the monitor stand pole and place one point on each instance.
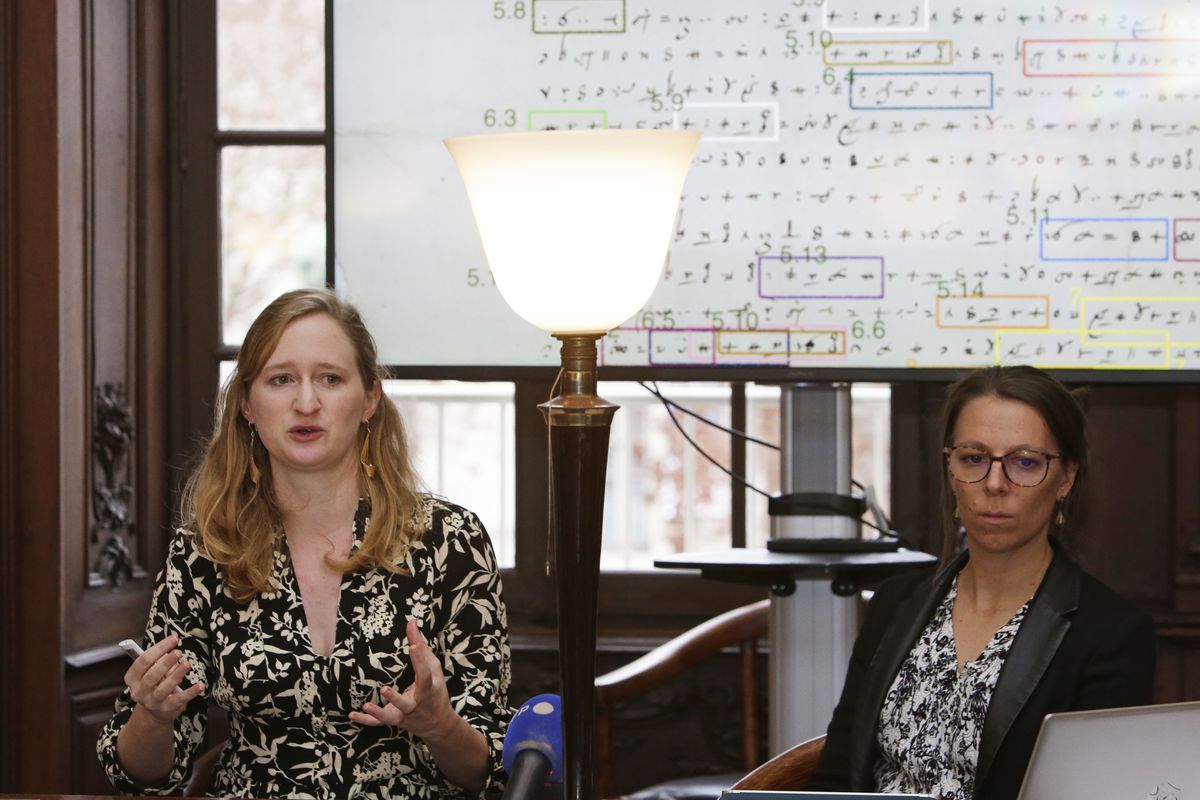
(812, 630)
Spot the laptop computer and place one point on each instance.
(1138, 753)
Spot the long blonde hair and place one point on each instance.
(237, 520)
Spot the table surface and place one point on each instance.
(751, 559)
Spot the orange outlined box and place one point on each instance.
(990, 311)
(817, 342)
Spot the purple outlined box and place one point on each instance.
(778, 278)
(1186, 241)
(667, 347)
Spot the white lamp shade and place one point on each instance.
(575, 224)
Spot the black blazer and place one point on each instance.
(1080, 646)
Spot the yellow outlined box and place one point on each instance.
(1079, 336)
(946, 58)
(1184, 300)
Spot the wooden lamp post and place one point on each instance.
(576, 225)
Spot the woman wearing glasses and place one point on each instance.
(953, 672)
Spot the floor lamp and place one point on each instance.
(575, 226)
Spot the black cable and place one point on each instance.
(669, 402)
(667, 405)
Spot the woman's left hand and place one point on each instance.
(424, 707)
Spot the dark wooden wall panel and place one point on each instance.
(82, 277)
(9, 463)
(38, 435)
(1126, 535)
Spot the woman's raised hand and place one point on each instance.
(424, 707)
(154, 677)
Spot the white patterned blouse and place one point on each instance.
(932, 717)
(290, 735)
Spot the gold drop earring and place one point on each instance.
(255, 472)
(364, 457)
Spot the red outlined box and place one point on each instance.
(1111, 58)
(1185, 239)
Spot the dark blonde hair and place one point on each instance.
(237, 520)
(1058, 407)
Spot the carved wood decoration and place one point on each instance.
(112, 487)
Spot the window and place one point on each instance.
(271, 118)
(463, 444)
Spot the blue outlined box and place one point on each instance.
(1104, 239)
(922, 91)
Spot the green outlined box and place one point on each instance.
(568, 119)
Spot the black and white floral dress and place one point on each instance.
(932, 717)
(290, 735)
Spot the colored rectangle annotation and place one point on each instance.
(921, 91)
(1104, 239)
(578, 16)
(1009, 311)
(1187, 239)
(895, 52)
(1110, 58)
(822, 277)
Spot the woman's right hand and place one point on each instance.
(153, 680)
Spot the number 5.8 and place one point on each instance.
(517, 11)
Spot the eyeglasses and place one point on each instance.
(969, 464)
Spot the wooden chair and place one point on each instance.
(742, 627)
(787, 772)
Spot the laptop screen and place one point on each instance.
(1141, 753)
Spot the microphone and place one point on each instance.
(533, 747)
